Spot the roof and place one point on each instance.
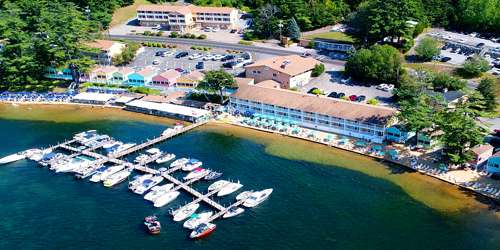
(290, 65)
(105, 69)
(480, 149)
(125, 70)
(125, 99)
(243, 81)
(269, 84)
(316, 104)
(181, 9)
(88, 96)
(170, 74)
(184, 9)
(146, 72)
(169, 108)
(194, 76)
(448, 96)
(101, 44)
(156, 98)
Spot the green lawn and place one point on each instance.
(123, 14)
(334, 35)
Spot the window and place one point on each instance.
(274, 74)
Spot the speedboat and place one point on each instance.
(165, 158)
(212, 175)
(152, 224)
(167, 131)
(196, 219)
(96, 177)
(166, 198)
(74, 164)
(30, 152)
(138, 179)
(243, 195)
(38, 156)
(257, 197)
(203, 230)
(158, 191)
(117, 178)
(153, 151)
(233, 211)
(112, 147)
(217, 185)
(179, 162)
(192, 164)
(12, 158)
(141, 158)
(229, 188)
(109, 171)
(124, 147)
(197, 173)
(147, 184)
(185, 211)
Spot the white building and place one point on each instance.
(107, 50)
(186, 17)
(93, 98)
(168, 110)
(317, 112)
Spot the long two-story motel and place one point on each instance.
(317, 112)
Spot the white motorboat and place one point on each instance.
(257, 197)
(138, 179)
(229, 188)
(243, 195)
(109, 171)
(179, 162)
(197, 173)
(117, 178)
(147, 184)
(203, 230)
(196, 219)
(165, 158)
(185, 211)
(153, 151)
(158, 191)
(124, 147)
(166, 198)
(38, 156)
(96, 177)
(217, 185)
(74, 164)
(233, 211)
(141, 158)
(12, 158)
(167, 131)
(191, 165)
(30, 152)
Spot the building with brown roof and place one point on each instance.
(107, 50)
(317, 112)
(189, 80)
(290, 71)
(186, 17)
(167, 78)
(481, 153)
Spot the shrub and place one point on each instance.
(318, 70)
(419, 28)
(344, 98)
(193, 48)
(372, 101)
(147, 33)
(160, 33)
(310, 44)
(474, 67)
(443, 80)
(243, 42)
(163, 45)
(248, 36)
(205, 48)
(427, 48)
(192, 36)
(317, 92)
(174, 34)
(202, 36)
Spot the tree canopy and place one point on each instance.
(474, 67)
(487, 89)
(378, 64)
(216, 81)
(428, 48)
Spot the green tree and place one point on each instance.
(478, 15)
(487, 89)
(417, 113)
(461, 133)
(318, 70)
(474, 67)
(427, 48)
(378, 64)
(216, 81)
(443, 81)
(293, 29)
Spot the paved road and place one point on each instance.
(272, 51)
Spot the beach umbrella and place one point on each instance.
(360, 143)
(377, 147)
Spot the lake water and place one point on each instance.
(313, 206)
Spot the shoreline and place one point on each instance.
(245, 132)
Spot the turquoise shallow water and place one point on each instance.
(313, 206)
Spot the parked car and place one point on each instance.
(361, 98)
(445, 59)
(195, 56)
(167, 53)
(340, 95)
(208, 57)
(181, 54)
(233, 31)
(200, 65)
(208, 29)
(227, 58)
(352, 98)
(179, 70)
(159, 53)
(217, 57)
(480, 45)
(333, 95)
(156, 62)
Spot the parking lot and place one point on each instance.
(330, 81)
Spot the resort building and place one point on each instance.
(141, 78)
(184, 18)
(167, 78)
(317, 112)
(93, 98)
(107, 50)
(481, 153)
(103, 74)
(428, 138)
(121, 75)
(289, 71)
(168, 110)
(493, 165)
(398, 133)
(190, 80)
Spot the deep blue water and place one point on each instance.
(312, 207)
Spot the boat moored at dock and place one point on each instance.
(233, 211)
(202, 230)
(107, 172)
(183, 212)
(196, 219)
(198, 172)
(147, 184)
(192, 164)
(117, 178)
(158, 191)
(257, 197)
(166, 198)
(12, 158)
(165, 158)
(218, 185)
(179, 162)
(229, 188)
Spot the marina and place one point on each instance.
(85, 161)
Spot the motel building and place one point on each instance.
(315, 112)
(184, 18)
